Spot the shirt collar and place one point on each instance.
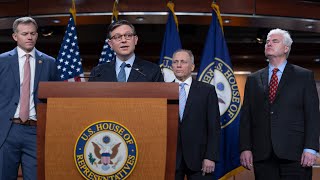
(129, 61)
(188, 81)
(22, 53)
(280, 67)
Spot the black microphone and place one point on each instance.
(136, 69)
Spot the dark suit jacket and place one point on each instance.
(45, 70)
(199, 131)
(287, 126)
(150, 72)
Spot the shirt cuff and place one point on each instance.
(310, 151)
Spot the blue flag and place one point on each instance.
(68, 61)
(107, 54)
(170, 44)
(216, 69)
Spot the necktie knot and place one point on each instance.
(182, 85)
(275, 70)
(123, 65)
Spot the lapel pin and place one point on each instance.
(40, 61)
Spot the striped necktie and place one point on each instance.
(182, 100)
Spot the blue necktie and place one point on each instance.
(182, 99)
(122, 73)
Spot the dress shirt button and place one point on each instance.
(271, 112)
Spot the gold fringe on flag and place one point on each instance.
(170, 5)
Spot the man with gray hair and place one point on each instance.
(21, 70)
(280, 120)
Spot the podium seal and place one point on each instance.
(105, 150)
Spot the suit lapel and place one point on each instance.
(192, 93)
(264, 81)
(38, 68)
(284, 78)
(134, 75)
(14, 60)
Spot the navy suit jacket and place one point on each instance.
(199, 131)
(45, 70)
(150, 72)
(287, 126)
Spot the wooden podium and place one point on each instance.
(148, 110)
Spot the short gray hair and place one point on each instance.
(286, 38)
(23, 20)
(189, 52)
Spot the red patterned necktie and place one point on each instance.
(273, 86)
(25, 91)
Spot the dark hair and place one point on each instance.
(23, 20)
(116, 24)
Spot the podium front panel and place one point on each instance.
(67, 118)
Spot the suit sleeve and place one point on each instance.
(311, 114)
(245, 120)
(214, 129)
(54, 75)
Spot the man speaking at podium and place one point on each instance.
(126, 67)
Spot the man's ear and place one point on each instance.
(14, 36)
(286, 49)
(110, 43)
(136, 40)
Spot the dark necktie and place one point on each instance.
(273, 86)
(122, 73)
(25, 91)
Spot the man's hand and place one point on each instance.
(246, 159)
(207, 166)
(308, 159)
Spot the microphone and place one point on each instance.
(136, 69)
(98, 75)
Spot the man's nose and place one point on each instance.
(29, 36)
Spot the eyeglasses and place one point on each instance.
(118, 37)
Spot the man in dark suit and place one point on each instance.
(279, 127)
(127, 67)
(21, 70)
(199, 123)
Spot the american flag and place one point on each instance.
(69, 62)
(107, 53)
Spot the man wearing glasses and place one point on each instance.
(126, 67)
